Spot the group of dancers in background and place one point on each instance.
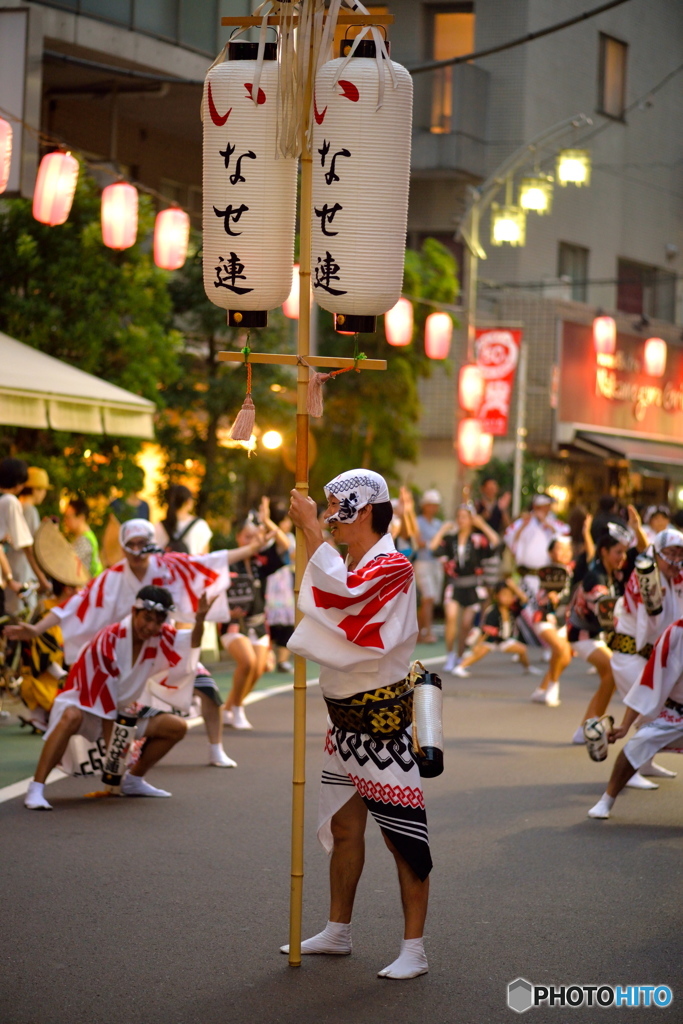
(610, 607)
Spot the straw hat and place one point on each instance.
(38, 478)
(56, 556)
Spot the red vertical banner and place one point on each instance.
(496, 354)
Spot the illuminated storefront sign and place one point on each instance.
(615, 392)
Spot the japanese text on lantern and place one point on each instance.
(230, 268)
(497, 354)
(327, 269)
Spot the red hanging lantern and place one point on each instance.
(398, 323)
(171, 237)
(5, 152)
(605, 335)
(474, 445)
(290, 307)
(438, 334)
(655, 357)
(471, 386)
(119, 215)
(55, 187)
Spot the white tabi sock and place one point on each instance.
(239, 719)
(411, 961)
(603, 807)
(35, 797)
(218, 758)
(638, 782)
(334, 939)
(135, 785)
(656, 770)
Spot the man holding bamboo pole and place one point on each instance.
(360, 625)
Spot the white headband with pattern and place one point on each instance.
(355, 489)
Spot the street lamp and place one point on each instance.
(536, 193)
(272, 440)
(573, 167)
(508, 225)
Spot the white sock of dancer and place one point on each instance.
(656, 771)
(603, 807)
(135, 785)
(411, 961)
(334, 939)
(239, 719)
(218, 758)
(638, 782)
(35, 797)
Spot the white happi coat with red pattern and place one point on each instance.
(662, 677)
(104, 680)
(110, 596)
(359, 625)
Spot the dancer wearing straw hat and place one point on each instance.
(360, 625)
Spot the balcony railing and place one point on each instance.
(451, 106)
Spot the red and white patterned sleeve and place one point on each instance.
(361, 614)
(662, 672)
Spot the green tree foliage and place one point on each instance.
(371, 418)
(108, 313)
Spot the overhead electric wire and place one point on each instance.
(528, 38)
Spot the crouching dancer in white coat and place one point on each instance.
(658, 696)
(109, 677)
(360, 626)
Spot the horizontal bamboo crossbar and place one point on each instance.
(286, 359)
(343, 19)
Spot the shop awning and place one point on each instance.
(37, 390)
(655, 456)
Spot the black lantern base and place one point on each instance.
(250, 318)
(348, 324)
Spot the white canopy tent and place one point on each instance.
(37, 390)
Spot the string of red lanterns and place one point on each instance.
(398, 323)
(55, 187)
(5, 152)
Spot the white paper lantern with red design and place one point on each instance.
(119, 215)
(290, 307)
(5, 152)
(471, 387)
(655, 357)
(438, 334)
(55, 187)
(361, 173)
(398, 323)
(171, 238)
(249, 193)
(605, 335)
(474, 445)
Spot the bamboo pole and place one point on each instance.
(301, 484)
(287, 359)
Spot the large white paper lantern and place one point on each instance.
(361, 173)
(55, 188)
(249, 193)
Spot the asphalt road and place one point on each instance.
(172, 911)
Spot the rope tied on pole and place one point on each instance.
(314, 398)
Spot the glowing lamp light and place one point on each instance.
(474, 445)
(398, 323)
(471, 385)
(55, 187)
(290, 307)
(171, 236)
(508, 225)
(604, 335)
(5, 152)
(536, 194)
(574, 167)
(119, 215)
(272, 439)
(655, 357)
(438, 334)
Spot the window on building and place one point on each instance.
(572, 263)
(646, 291)
(612, 77)
(120, 11)
(452, 35)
